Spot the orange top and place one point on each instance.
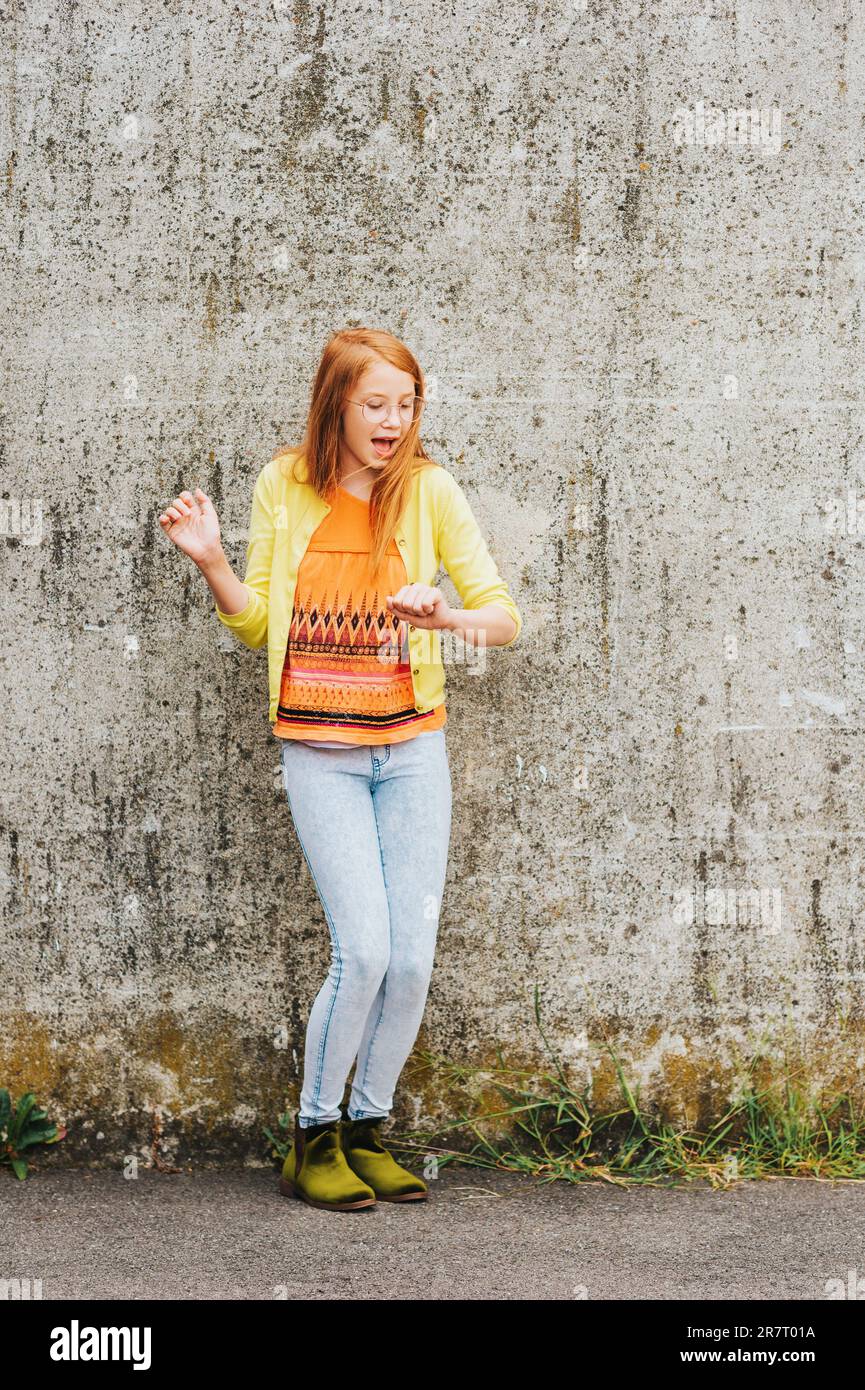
(346, 677)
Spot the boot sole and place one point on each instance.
(405, 1197)
(289, 1190)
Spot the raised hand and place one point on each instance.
(192, 524)
(421, 605)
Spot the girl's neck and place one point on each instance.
(362, 488)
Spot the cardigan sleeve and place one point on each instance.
(466, 558)
(250, 625)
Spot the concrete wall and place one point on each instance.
(643, 332)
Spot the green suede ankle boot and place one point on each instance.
(367, 1156)
(316, 1170)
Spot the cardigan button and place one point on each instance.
(415, 670)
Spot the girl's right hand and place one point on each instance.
(192, 523)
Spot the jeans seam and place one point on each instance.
(386, 973)
(319, 1065)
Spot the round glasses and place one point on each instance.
(375, 409)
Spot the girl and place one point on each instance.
(347, 533)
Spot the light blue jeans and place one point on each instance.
(374, 826)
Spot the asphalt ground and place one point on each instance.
(482, 1235)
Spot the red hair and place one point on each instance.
(348, 354)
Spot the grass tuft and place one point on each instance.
(770, 1131)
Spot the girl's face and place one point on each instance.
(372, 441)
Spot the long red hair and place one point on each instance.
(348, 354)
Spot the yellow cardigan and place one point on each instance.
(437, 529)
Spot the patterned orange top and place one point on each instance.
(346, 675)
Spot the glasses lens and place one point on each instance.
(378, 410)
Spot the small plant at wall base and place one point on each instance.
(281, 1146)
(21, 1128)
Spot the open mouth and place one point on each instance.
(383, 445)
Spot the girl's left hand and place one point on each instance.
(420, 605)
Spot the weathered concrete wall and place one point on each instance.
(643, 335)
